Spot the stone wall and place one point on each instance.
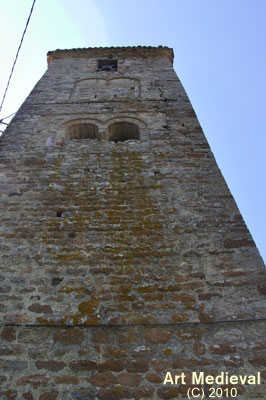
(121, 261)
(127, 362)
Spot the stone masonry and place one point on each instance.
(123, 253)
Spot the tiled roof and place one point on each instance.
(110, 52)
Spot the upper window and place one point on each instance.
(107, 65)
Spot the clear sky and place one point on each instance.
(220, 57)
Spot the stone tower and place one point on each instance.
(124, 259)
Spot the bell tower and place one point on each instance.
(125, 262)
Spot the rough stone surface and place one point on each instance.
(120, 260)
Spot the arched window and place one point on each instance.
(82, 131)
(121, 131)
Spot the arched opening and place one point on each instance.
(82, 131)
(121, 131)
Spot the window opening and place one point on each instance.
(82, 131)
(121, 131)
(107, 65)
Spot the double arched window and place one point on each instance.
(116, 132)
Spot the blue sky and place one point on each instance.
(220, 58)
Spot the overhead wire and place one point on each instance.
(2, 119)
(19, 47)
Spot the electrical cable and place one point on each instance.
(165, 324)
(8, 82)
(2, 119)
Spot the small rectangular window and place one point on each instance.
(107, 65)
